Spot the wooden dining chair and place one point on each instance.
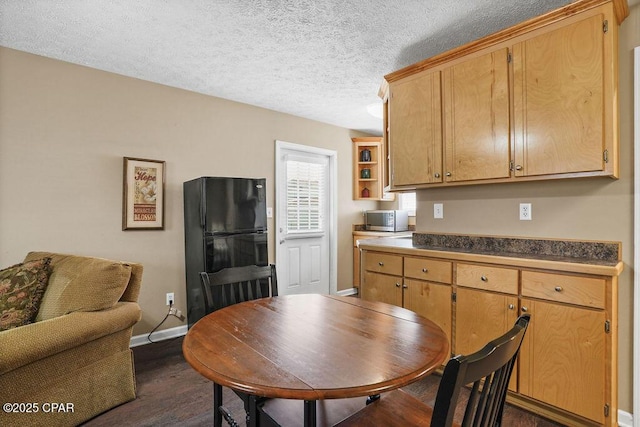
(231, 286)
(238, 284)
(488, 369)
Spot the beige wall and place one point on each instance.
(600, 209)
(64, 130)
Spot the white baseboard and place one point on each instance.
(162, 335)
(347, 292)
(625, 419)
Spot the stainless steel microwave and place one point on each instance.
(386, 220)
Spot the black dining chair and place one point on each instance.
(238, 284)
(488, 369)
(231, 286)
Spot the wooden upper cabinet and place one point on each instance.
(561, 116)
(415, 131)
(534, 101)
(476, 118)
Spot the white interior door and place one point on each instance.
(305, 219)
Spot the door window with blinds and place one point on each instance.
(306, 198)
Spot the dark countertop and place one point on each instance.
(596, 257)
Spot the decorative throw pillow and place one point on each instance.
(21, 290)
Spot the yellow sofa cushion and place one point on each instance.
(80, 283)
(21, 289)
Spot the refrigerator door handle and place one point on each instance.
(203, 205)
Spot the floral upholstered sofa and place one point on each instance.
(72, 361)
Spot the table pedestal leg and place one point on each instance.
(217, 402)
(253, 411)
(309, 413)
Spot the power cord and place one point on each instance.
(171, 312)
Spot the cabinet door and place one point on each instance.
(476, 118)
(430, 300)
(381, 287)
(481, 317)
(415, 130)
(559, 100)
(562, 358)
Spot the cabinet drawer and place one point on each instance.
(586, 291)
(497, 279)
(383, 263)
(427, 269)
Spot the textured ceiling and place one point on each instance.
(323, 60)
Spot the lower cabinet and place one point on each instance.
(567, 367)
(564, 354)
(411, 283)
(482, 316)
(431, 300)
(383, 288)
(563, 365)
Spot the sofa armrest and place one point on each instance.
(26, 344)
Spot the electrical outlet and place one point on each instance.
(525, 212)
(438, 211)
(170, 298)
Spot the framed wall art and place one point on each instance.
(143, 194)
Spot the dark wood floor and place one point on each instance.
(170, 393)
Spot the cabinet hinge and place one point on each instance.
(605, 156)
(605, 26)
(607, 326)
(511, 165)
(606, 410)
(509, 57)
(453, 297)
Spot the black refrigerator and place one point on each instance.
(225, 225)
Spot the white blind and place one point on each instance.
(305, 196)
(407, 202)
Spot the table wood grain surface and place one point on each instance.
(313, 347)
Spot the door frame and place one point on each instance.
(636, 238)
(332, 199)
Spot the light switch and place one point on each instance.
(269, 212)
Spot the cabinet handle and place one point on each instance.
(380, 263)
(518, 167)
(511, 306)
(484, 279)
(405, 286)
(425, 270)
(524, 309)
(437, 175)
(558, 288)
(397, 285)
(448, 174)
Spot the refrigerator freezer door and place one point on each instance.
(234, 205)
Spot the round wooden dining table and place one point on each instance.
(314, 347)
